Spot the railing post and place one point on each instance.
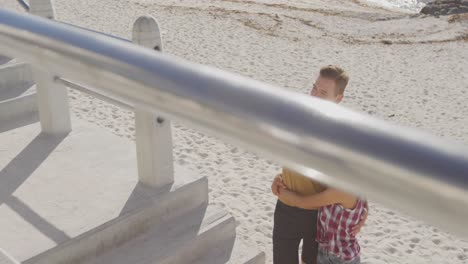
(43, 8)
(52, 101)
(52, 97)
(153, 132)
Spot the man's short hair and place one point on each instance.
(337, 74)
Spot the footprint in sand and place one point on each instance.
(226, 180)
(449, 248)
(203, 155)
(391, 250)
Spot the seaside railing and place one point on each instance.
(24, 4)
(403, 168)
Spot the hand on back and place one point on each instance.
(277, 185)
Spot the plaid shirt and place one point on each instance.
(334, 229)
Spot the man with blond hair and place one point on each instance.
(293, 224)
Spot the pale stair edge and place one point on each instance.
(205, 235)
(6, 259)
(18, 104)
(246, 254)
(182, 241)
(4, 59)
(240, 253)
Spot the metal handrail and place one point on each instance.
(90, 91)
(399, 167)
(97, 32)
(24, 4)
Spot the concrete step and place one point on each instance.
(157, 209)
(244, 254)
(19, 111)
(6, 259)
(15, 80)
(240, 253)
(4, 59)
(182, 241)
(18, 104)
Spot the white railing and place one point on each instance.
(402, 168)
(24, 4)
(153, 133)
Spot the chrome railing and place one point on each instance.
(97, 32)
(24, 4)
(420, 174)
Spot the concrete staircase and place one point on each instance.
(76, 198)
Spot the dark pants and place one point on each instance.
(291, 225)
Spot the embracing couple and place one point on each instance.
(325, 219)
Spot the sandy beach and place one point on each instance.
(409, 70)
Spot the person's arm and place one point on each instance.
(357, 228)
(327, 197)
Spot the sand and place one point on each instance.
(406, 69)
